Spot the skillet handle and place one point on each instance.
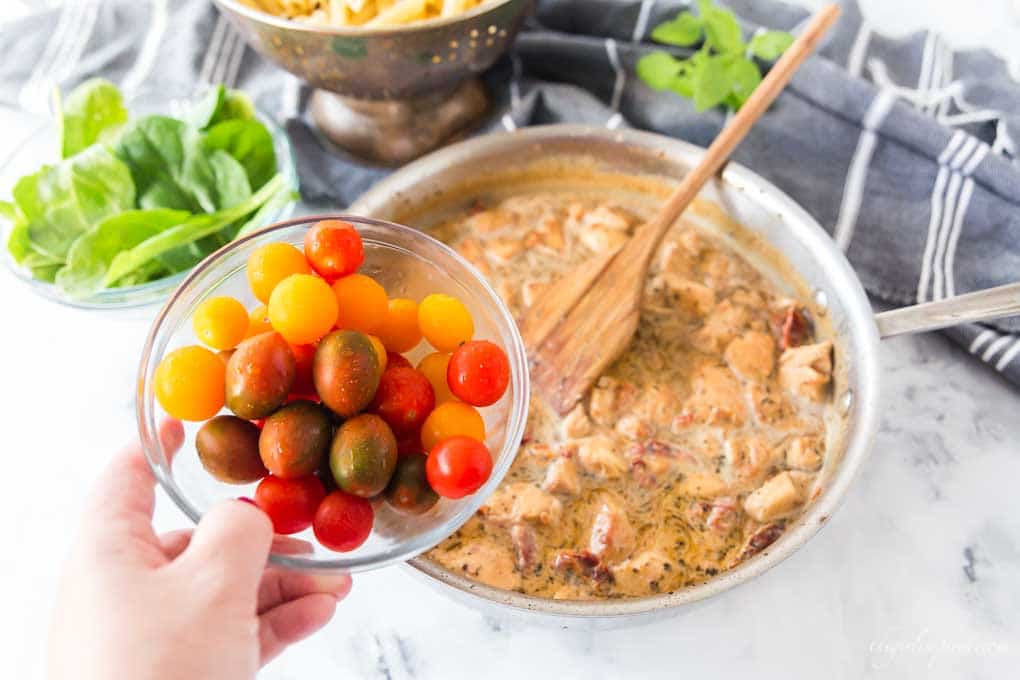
(983, 305)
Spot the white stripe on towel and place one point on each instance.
(641, 25)
(1008, 356)
(859, 50)
(983, 337)
(994, 348)
(961, 212)
(853, 189)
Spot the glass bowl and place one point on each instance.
(407, 263)
(173, 99)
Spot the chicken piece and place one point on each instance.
(525, 545)
(530, 291)
(600, 240)
(807, 370)
(804, 453)
(550, 228)
(502, 250)
(752, 299)
(672, 258)
(485, 561)
(537, 452)
(752, 356)
(657, 404)
(561, 477)
(652, 462)
(775, 498)
(609, 217)
(804, 481)
(506, 292)
(596, 456)
(717, 398)
(726, 321)
(576, 423)
(750, 459)
(570, 591)
(634, 427)
(693, 298)
(521, 502)
(704, 485)
(489, 221)
(646, 571)
(602, 401)
(718, 268)
(612, 536)
(771, 407)
(471, 250)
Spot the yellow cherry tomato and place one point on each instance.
(433, 367)
(271, 264)
(302, 309)
(399, 331)
(445, 322)
(449, 420)
(220, 322)
(363, 303)
(258, 322)
(380, 351)
(190, 383)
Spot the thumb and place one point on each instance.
(231, 541)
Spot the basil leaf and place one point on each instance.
(722, 31)
(250, 143)
(710, 84)
(657, 70)
(770, 45)
(93, 111)
(91, 255)
(189, 231)
(744, 76)
(683, 31)
(61, 202)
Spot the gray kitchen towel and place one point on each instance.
(902, 148)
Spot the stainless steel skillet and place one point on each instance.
(796, 249)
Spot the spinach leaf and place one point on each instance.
(93, 112)
(218, 105)
(250, 143)
(189, 231)
(91, 255)
(60, 202)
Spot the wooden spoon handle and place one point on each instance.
(734, 132)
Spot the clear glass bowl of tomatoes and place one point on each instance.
(422, 312)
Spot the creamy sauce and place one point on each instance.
(691, 453)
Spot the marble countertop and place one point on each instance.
(916, 576)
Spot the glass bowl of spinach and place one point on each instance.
(113, 202)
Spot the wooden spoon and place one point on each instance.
(587, 318)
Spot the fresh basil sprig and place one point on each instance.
(723, 71)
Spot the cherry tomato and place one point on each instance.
(393, 360)
(304, 357)
(410, 444)
(445, 322)
(458, 466)
(290, 503)
(404, 399)
(478, 373)
(343, 521)
(220, 322)
(399, 331)
(451, 419)
(189, 383)
(302, 308)
(334, 249)
(433, 367)
(363, 303)
(271, 264)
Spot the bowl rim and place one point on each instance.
(153, 292)
(861, 338)
(514, 429)
(262, 17)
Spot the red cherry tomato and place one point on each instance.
(290, 503)
(458, 466)
(304, 357)
(404, 399)
(478, 373)
(343, 521)
(410, 444)
(394, 360)
(334, 249)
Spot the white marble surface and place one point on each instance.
(917, 575)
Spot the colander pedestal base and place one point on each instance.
(397, 131)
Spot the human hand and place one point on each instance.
(182, 605)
